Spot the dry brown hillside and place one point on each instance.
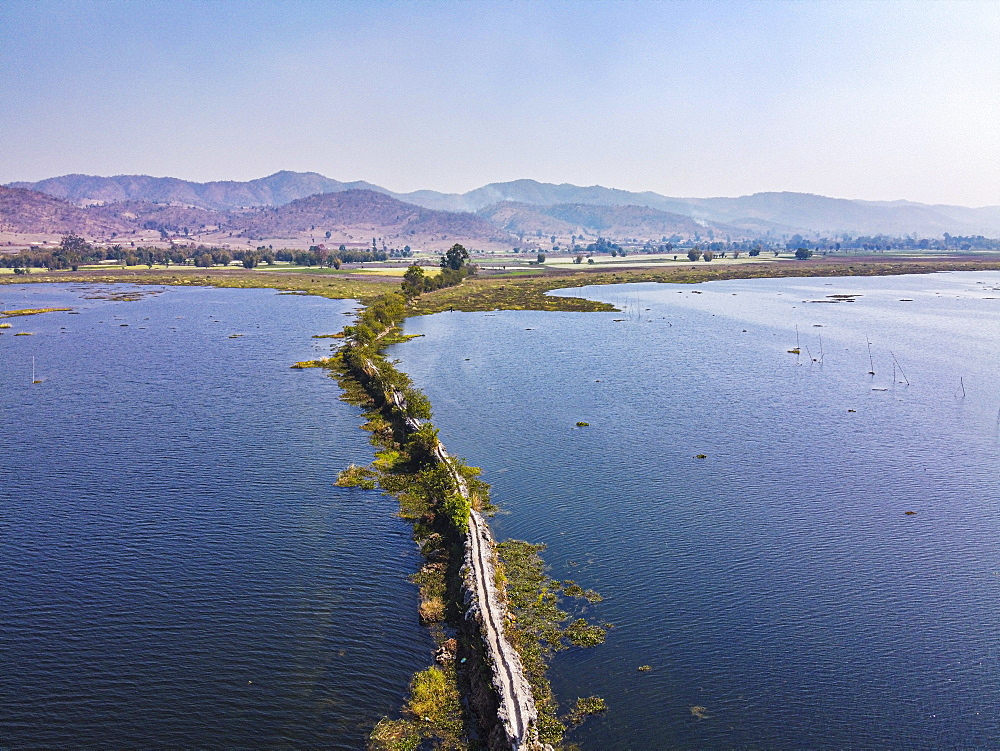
(175, 219)
(365, 211)
(29, 212)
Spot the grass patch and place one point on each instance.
(30, 312)
(333, 287)
(429, 715)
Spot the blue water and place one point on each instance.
(778, 585)
(176, 568)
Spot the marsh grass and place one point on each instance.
(537, 629)
(31, 312)
(529, 293)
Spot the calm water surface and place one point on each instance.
(779, 583)
(176, 568)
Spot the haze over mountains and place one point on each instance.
(525, 207)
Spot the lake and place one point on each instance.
(828, 576)
(176, 568)
(179, 571)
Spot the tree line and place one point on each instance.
(73, 251)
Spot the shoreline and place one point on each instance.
(489, 291)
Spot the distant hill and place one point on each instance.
(274, 190)
(31, 212)
(366, 211)
(757, 214)
(588, 220)
(760, 214)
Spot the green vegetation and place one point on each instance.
(523, 289)
(407, 465)
(454, 268)
(538, 627)
(583, 709)
(482, 293)
(433, 712)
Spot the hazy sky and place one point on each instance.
(879, 100)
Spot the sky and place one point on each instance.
(873, 100)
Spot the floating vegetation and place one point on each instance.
(129, 296)
(910, 513)
(338, 335)
(645, 668)
(701, 456)
(23, 333)
(356, 477)
(700, 712)
(5, 326)
(571, 589)
(309, 363)
(795, 351)
(583, 634)
(236, 336)
(31, 312)
(583, 424)
(583, 709)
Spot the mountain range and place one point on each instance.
(528, 206)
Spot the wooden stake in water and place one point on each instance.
(897, 365)
(871, 361)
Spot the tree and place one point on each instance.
(708, 255)
(455, 258)
(72, 248)
(694, 254)
(754, 252)
(541, 258)
(802, 254)
(578, 259)
(413, 281)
